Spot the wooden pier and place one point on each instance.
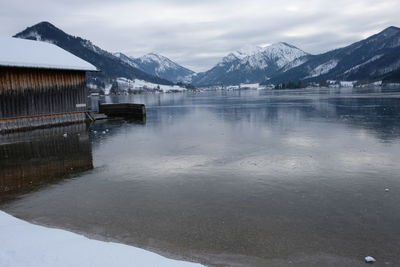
(125, 110)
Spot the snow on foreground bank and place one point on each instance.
(25, 244)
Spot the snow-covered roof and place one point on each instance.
(17, 52)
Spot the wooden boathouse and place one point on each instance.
(40, 85)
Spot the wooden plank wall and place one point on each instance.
(34, 92)
(29, 123)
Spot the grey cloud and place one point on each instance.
(198, 33)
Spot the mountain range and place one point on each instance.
(372, 59)
(158, 65)
(111, 66)
(252, 65)
(375, 58)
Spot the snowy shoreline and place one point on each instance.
(26, 244)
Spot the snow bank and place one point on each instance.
(338, 84)
(25, 244)
(250, 85)
(347, 83)
(36, 54)
(127, 84)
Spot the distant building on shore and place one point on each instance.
(40, 85)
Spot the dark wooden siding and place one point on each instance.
(28, 92)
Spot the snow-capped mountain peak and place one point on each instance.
(247, 51)
(374, 58)
(154, 56)
(126, 59)
(283, 53)
(252, 64)
(163, 63)
(158, 65)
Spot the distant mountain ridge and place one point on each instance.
(159, 66)
(252, 65)
(374, 58)
(110, 65)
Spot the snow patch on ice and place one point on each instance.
(370, 259)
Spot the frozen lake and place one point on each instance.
(238, 178)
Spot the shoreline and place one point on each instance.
(27, 244)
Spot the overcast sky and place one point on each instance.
(197, 34)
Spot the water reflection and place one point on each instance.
(29, 160)
(242, 179)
